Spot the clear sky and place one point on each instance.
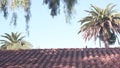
(48, 32)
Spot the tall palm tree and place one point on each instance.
(101, 23)
(14, 41)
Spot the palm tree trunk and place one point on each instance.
(106, 42)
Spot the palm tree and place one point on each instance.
(14, 41)
(101, 23)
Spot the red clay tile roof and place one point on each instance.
(61, 58)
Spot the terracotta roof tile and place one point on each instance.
(61, 58)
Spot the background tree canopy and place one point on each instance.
(53, 5)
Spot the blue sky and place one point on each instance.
(48, 32)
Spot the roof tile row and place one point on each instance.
(61, 58)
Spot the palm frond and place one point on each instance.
(86, 19)
(17, 35)
(7, 37)
(108, 9)
(96, 9)
(4, 41)
(21, 38)
(86, 26)
(92, 12)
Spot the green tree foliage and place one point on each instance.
(14, 4)
(14, 41)
(101, 23)
(54, 6)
